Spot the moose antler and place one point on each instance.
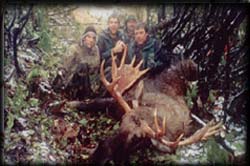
(202, 134)
(123, 77)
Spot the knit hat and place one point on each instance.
(129, 18)
(90, 28)
(87, 30)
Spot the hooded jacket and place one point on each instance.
(80, 54)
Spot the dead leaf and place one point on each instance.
(63, 130)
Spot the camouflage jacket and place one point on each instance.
(79, 54)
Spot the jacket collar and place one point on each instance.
(86, 49)
(148, 43)
(107, 34)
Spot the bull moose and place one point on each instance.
(154, 108)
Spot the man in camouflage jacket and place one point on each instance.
(79, 72)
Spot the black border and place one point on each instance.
(117, 2)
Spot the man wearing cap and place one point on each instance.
(111, 39)
(129, 30)
(79, 70)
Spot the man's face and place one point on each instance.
(90, 40)
(131, 25)
(140, 36)
(113, 25)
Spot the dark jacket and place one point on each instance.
(106, 43)
(150, 52)
(128, 38)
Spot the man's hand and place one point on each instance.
(119, 46)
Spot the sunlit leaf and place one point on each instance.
(83, 122)
(10, 121)
(33, 102)
(116, 126)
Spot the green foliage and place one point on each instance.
(192, 92)
(45, 42)
(116, 126)
(215, 154)
(18, 102)
(33, 102)
(173, 159)
(83, 122)
(223, 61)
(50, 63)
(10, 122)
(42, 20)
(35, 73)
(6, 60)
(212, 96)
(240, 146)
(230, 136)
(79, 30)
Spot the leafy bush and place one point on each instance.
(36, 72)
(215, 154)
(191, 94)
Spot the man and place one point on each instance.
(146, 48)
(83, 60)
(111, 39)
(129, 31)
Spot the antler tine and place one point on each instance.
(107, 84)
(123, 77)
(123, 57)
(143, 72)
(103, 78)
(172, 143)
(159, 132)
(148, 130)
(114, 66)
(139, 64)
(156, 121)
(138, 75)
(215, 127)
(133, 61)
(113, 83)
(213, 130)
(122, 102)
(164, 124)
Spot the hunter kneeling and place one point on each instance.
(78, 76)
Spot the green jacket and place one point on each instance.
(150, 52)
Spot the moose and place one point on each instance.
(154, 109)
